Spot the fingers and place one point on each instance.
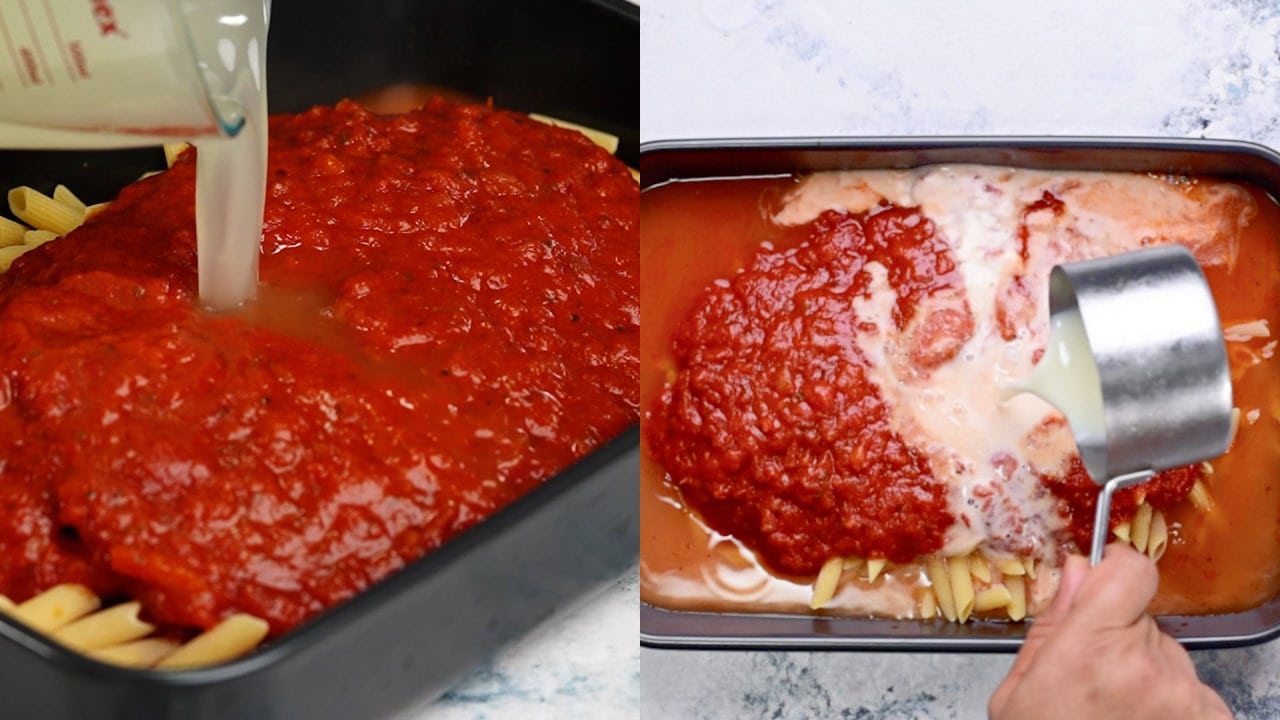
(1174, 653)
(1042, 626)
(1211, 705)
(1098, 619)
(1117, 592)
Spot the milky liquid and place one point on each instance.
(1067, 377)
(143, 72)
(231, 173)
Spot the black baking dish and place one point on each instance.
(667, 161)
(410, 637)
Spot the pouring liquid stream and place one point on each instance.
(1067, 378)
(231, 171)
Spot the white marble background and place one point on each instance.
(775, 68)
(581, 663)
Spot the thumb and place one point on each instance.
(1043, 626)
(1074, 571)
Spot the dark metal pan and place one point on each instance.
(666, 161)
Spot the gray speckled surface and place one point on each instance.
(775, 68)
(581, 663)
(782, 685)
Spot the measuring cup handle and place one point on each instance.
(1102, 516)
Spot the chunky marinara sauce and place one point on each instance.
(772, 430)
(449, 315)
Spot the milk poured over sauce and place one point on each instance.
(1067, 377)
(1005, 238)
(231, 173)
(120, 75)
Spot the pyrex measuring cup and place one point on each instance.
(117, 73)
(120, 73)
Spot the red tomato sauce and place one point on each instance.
(1079, 496)
(449, 315)
(773, 431)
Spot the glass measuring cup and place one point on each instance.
(1137, 362)
(121, 73)
(118, 73)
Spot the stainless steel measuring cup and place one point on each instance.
(1153, 330)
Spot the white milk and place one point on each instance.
(128, 73)
(231, 173)
(1067, 377)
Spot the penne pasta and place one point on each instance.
(979, 566)
(824, 588)
(599, 137)
(1123, 531)
(1235, 428)
(43, 212)
(11, 232)
(1141, 528)
(874, 567)
(1011, 566)
(852, 563)
(137, 654)
(95, 209)
(635, 174)
(1200, 497)
(36, 238)
(1017, 587)
(928, 606)
(1158, 540)
(996, 596)
(63, 194)
(961, 585)
(118, 635)
(1030, 564)
(936, 569)
(57, 606)
(172, 151)
(227, 640)
(11, 253)
(113, 626)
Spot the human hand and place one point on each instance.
(1096, 653)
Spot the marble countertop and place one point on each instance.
(583, 662)
(785, 68)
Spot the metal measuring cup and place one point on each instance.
(1153, 330)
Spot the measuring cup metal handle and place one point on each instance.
(1102, 516)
